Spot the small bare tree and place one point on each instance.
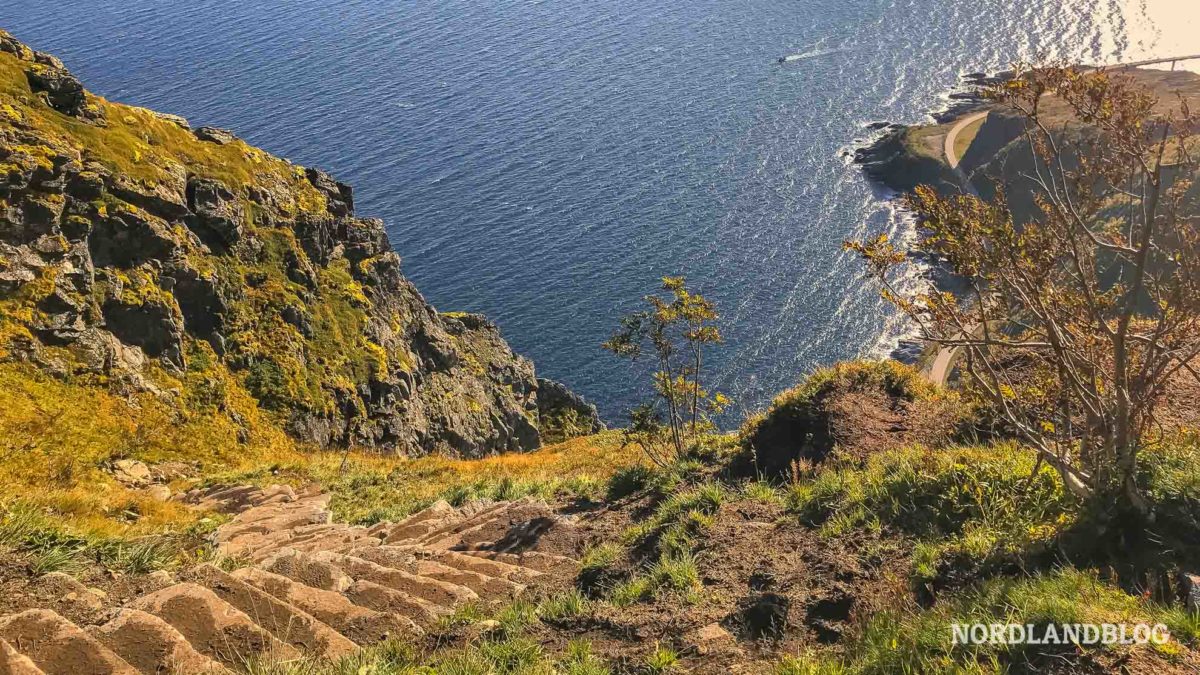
(1079, 313)
(678, 326)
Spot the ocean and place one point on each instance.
(544, 162)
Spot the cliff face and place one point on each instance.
(141, 255)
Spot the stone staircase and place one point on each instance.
(312, 587)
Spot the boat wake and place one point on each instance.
(810, 55)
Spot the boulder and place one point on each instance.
(152, 325)
(1189, 587)
(178, 121)
(64, 92)
(339, 196)
(563, 414)
(131, 473)
(711, 639)
(89, 599)
(217, 212)
(159, 493)
(215, 135)
(164, 198)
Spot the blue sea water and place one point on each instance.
(545, 161)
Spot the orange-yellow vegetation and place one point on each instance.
(58, 437)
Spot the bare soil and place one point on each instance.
(773, 584)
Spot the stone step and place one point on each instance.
(389, 600)
(302, 568)
(483, 516)
(400, 558)
(437, 592)
(488, 588)
(334, 541)
(310, 504)
(257, 545)
(214, 497)
(274, 494)
(239, 497)
(492, 568)
(59, 647)
(520, 526)
(13, 662)
(542, 562)
(476, 507)
(435, 511)
(415, 531)
(247, 545)
(360, 624)
(214, 627)
(273, 518)
(287, 623)
(517, 537)
(152, 645)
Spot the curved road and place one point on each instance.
(939, 370)
(951, 138)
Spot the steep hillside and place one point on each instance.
(141, 255)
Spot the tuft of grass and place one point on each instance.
(601, 556)
(463, 615)
(516, 617)
(57, 559)
(514, 655)
(688, 509)
(808, 665)
(677, 573)
(669, 573)
(566, 605)
(662, 660)
(631, 591)
(762, 491)
(579, 660)
(145, 555)
(628, 481)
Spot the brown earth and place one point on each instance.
(770, 586)
(856, 421)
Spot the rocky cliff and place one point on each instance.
(139, 254)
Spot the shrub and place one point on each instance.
(854, 405)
